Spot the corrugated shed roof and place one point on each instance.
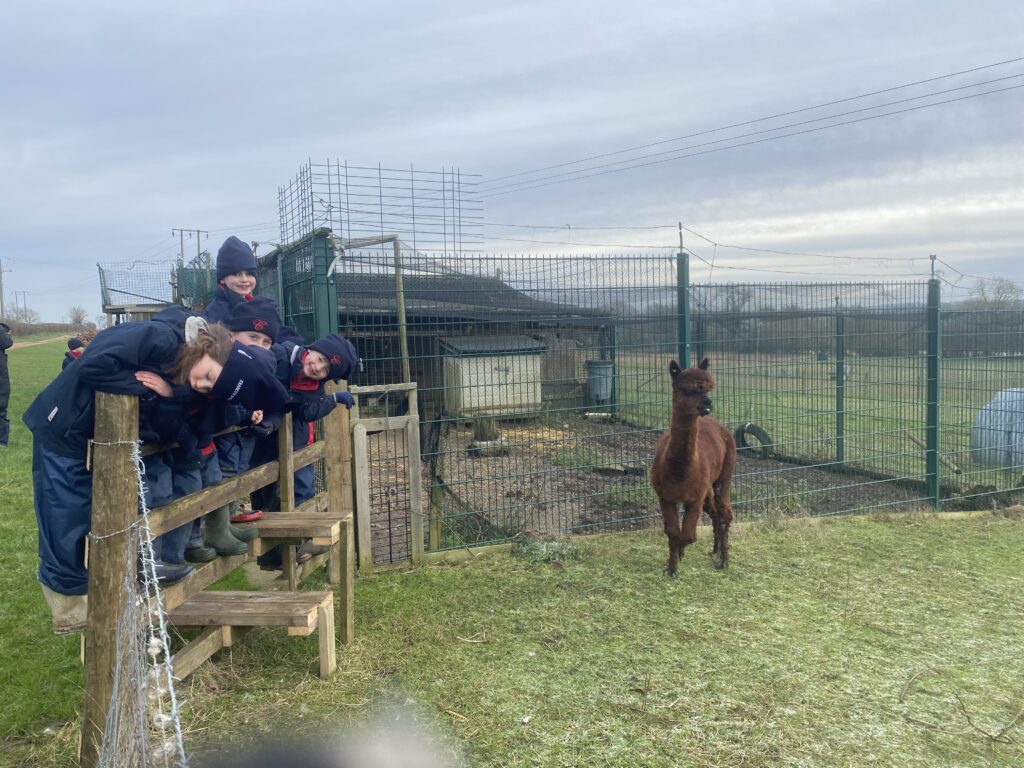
(450, 295)
(477, 346)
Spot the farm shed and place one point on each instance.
(456, 306)
(495, 376)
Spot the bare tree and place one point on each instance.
(996, 293)
(23, 315)
(77, 315)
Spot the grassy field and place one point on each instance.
(866, 641)
(795, 400)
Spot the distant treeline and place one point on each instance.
(25, 329)
(874, 333)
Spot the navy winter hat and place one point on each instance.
(248, 379)
(258, 315)
(75, 344)
(234, 257)
(340, 354)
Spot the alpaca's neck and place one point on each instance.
(682, 442)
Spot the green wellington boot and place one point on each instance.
(242, 534)
(218, 533)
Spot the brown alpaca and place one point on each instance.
(693, 465)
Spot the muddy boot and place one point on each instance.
(68, 611)
(218, 533)
(244, 534)
(200, 554)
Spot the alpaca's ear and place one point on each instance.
(674, 369)
(704, 364)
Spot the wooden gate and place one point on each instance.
(387, 477)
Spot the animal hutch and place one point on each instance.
(491, 376)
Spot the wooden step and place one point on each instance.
(301, 612)
(294, 528)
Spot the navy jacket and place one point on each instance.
(224, 302)
(68, 359)
(62, 417)
(5, 342)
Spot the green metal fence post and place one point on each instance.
(325, 296)
(840, 388)
(612, 352)
(683, 307)
(932, 395)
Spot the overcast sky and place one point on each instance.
(121, 121)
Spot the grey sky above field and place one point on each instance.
(122, 121)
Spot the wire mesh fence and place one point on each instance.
(543, 383)
(543, 387)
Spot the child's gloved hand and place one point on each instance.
(344, 398)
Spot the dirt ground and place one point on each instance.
(586, 476)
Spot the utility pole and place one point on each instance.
(24, 304)
(181, 234)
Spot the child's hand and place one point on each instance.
(154, 381)
(257, 417)
(344, 398)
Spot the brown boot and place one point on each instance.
(69, 611)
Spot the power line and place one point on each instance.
(571, 227)
(590, 245)
(752, 122)
(518, 186)
(709, 241)
(713, 265)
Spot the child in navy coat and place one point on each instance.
(75, 348)
(141, 359)
(305, 370)
(256, 324)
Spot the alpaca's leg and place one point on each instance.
(688, 528)
(670, 520)
(724, 504)
(712, 512)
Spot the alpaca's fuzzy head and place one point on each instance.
(690, 389)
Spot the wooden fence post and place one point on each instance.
(338, 470)
(286, 459)
(115, 506)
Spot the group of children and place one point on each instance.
(195, 377)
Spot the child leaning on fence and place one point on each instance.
(255, 324)
(305, 370)
(140, 359)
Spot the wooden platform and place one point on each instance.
(294, 528)
(301, 612)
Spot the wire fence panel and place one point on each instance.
(824, 387)
(528, 370)
(543, 385)
(982, 429)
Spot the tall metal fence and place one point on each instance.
(543, 384)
